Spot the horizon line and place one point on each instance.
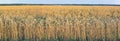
(12, 4)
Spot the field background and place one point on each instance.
(59, 23)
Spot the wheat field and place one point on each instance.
(59, 23)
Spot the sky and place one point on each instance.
(61, 1)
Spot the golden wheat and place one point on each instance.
(59, 23)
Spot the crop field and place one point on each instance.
(59, 23)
